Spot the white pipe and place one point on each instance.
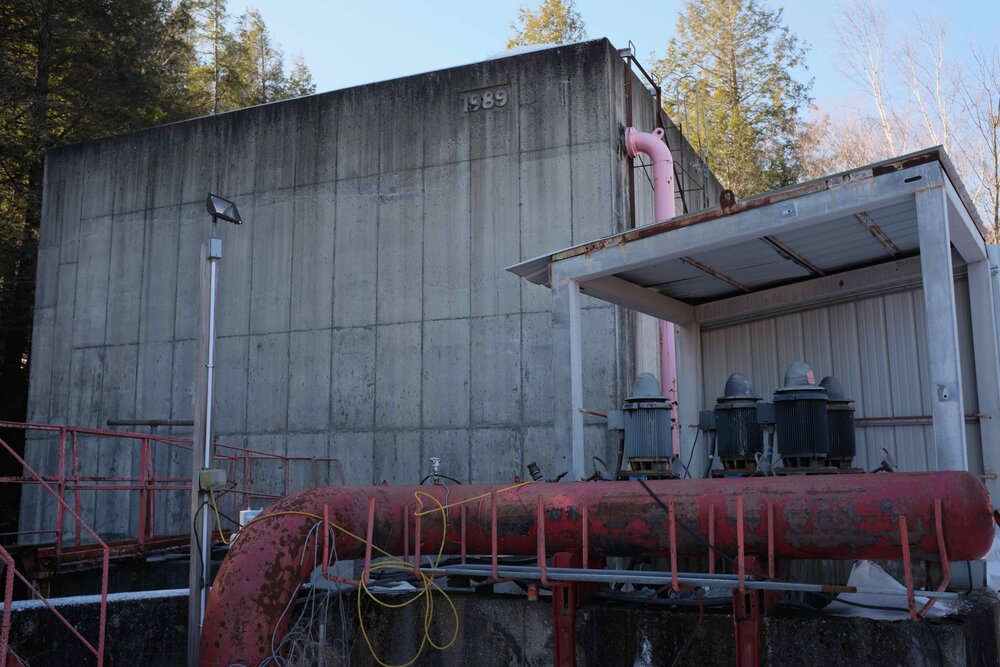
(206, 543)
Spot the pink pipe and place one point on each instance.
(663, 168)
(664, 208)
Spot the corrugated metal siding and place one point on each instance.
(875, 346)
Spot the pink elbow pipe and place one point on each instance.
(664, 208)
(663, 168)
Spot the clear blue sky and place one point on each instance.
(352, 43)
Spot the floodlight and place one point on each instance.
(222, 208)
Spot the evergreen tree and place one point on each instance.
(739, 59)
(253, 67)
(299, 81)
(240, 65)
(70, 70)
(73, 70)
(553, 22)
(208, 34)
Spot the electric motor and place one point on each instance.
(840, 419)
(738, 434)
(801, 419)
(647, 421)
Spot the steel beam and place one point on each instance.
(965, 235)
(689, 393)
(984, 344)
(811, 209)
(704, 268)
(567, 375)
(642, 299)
(878, 233)
(834, 288)
(790, 254)
(941, 326)
(993, 251)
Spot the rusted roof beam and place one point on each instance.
(878, 233)
(712, 272)
(785, 251)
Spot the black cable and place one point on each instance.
(452, 479)
(638, 598)
(687, 467)
(224, 515)
(197, 544)
(696, 535)
(713, 453)
(621, 455)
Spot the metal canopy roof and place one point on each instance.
(884, 232)
(891, 225)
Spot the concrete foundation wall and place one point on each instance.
(508, 630)
(364, 307)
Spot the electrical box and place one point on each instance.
(246, 516)
(212, 479)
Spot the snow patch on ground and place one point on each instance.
(75, 600)
(867, 574)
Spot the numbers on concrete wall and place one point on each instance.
(484, 99)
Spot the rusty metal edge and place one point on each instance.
(536, 269)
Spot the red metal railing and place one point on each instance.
(8, 560)
(68, 485)
(241, 465)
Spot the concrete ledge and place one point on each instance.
(142, 629)
(508, 630)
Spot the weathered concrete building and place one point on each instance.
(364, 308)
(366, 312)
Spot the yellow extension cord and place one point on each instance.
(429, 585)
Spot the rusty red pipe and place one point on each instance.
(815, 517)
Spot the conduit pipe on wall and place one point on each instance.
(664, 208)
(815, 517)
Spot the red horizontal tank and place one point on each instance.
(816, 517)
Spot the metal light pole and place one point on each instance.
(201, 543)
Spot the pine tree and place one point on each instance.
(73, 70)
(554, 22)
(208, 34)
(253, 67)
(299, 81)
(739, 59)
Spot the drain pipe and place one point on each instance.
(664, 208)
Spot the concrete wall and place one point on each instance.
(364, 307)
(507, 630)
